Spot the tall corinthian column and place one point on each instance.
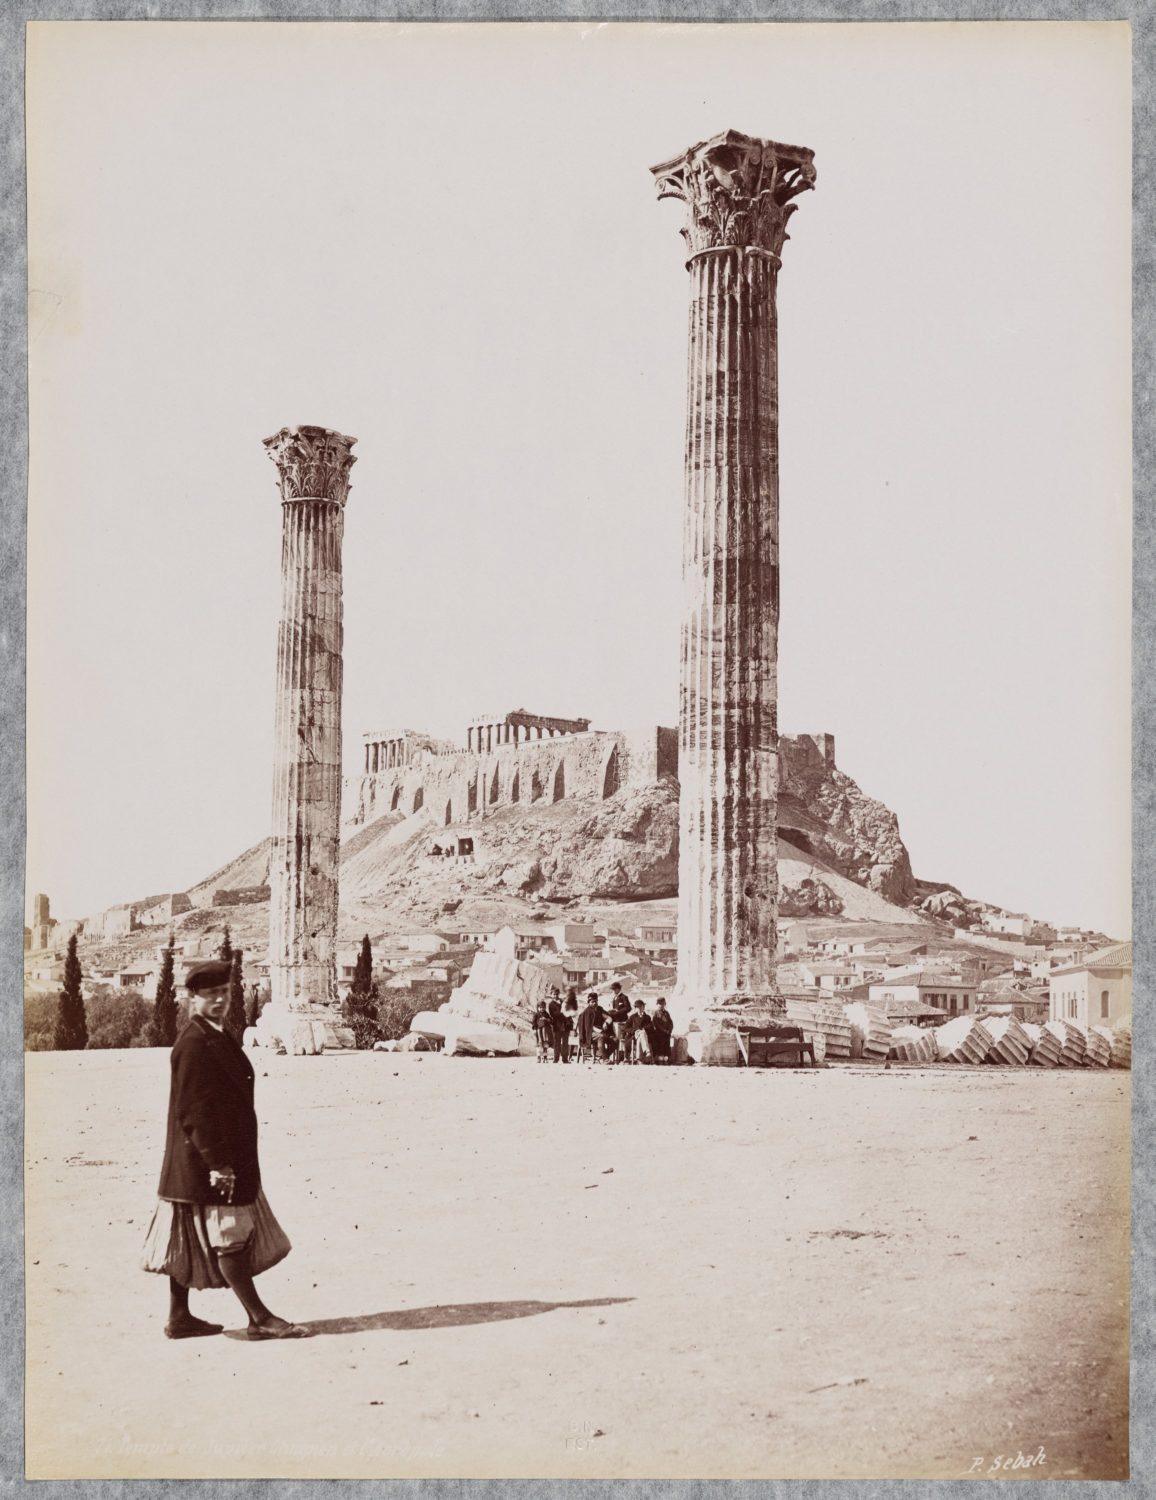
(313, 465)
(738, 193)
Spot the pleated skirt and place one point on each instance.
(184, 1239)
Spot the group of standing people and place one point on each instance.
(616, 1033)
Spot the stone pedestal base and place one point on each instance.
(711, 1039)
(302, 1032)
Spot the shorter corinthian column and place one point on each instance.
(738, 193)
(313, 465)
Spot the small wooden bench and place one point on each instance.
(758, 1044)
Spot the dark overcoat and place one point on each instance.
(212, 1123)
(590, 1023)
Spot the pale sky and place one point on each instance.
(445, 241)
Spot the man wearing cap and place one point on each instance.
(212, 1226)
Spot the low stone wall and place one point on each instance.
(249, 895)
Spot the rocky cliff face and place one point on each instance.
(823, 812)
(626, 846)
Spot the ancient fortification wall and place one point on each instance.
(467, 784)
(455, 786)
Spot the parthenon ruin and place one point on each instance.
(488, 731)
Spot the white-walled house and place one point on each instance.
(424, 942)
(520, 942)
(827, 974)
(1095, 991)
(570, 937)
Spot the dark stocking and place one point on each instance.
(182, 1324)
(178, 1301)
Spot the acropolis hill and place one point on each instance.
(556, 812)
(514, 761)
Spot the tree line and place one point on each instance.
(112, 1017)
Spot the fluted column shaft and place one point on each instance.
(314, 468)
(738, 192)
(307, 763)
(728, 764)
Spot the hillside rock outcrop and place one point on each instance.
(823, 812)
(626, 846)
(622, 847)
(810, 898)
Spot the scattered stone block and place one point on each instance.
(870, 1031)
(835, 1027)
(1071, 1040)
(1009, 1041)
(913, 1044)
(1099, 1047)
(1046, 1047)
(1122, 1043)
(963, 1040)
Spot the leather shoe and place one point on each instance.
(191, 1328)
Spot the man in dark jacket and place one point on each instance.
(557, 1022)
(590, 1024)
(661, 1026)
(213, 1225)
(620, 1015)
(640, 1049)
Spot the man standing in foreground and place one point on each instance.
(212, 1226)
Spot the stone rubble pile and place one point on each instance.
(859, 1031)
(492, 1012)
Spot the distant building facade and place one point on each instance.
(1096, 990)
(943, 992)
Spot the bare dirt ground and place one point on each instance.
(518, 1270)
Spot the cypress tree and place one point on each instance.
(71, 1022)
(225, 951)
(360, 1007)
(163, 1027)
(363, 968)
(235, 1010)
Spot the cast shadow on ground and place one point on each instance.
(449, 1315)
